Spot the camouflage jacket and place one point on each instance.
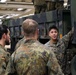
(4, 58)
(33, 58)
(60, 48)
(21, 41)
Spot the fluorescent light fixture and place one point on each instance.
(65, 4)
(3, 0)
(1, 17)
(12, 15)
(19, 9)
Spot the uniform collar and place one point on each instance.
(2, 47)
(53, 44)
(30, 41)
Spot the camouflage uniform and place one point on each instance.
(60, 48)
(4, 58)
(20, 42)
(32, 58)
(40, 6)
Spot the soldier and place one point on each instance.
(32, 57)
(40, 6)
(59, 46)
(4, 55)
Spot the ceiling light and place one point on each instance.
(1, 17)
(3, 0)
(19, 9)
(65, 4)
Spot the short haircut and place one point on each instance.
(29, 27)
(53, 27)
(3, 29)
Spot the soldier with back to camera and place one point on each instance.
(32, 57)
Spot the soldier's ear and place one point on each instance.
(49, 33)
(38, 31)
(22, 32)
(4, 36)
